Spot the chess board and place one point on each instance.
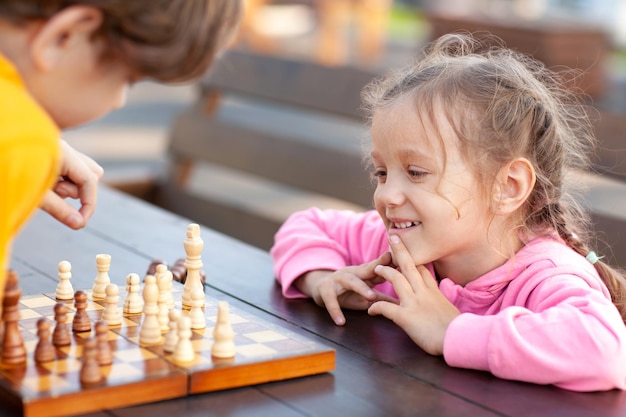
(264, 352)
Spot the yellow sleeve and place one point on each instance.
(29, 165)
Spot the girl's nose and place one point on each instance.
(389, 193)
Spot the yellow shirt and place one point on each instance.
(29, 158)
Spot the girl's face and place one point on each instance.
(436, 206)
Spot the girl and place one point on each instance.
(476, 249)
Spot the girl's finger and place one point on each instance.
(405, 262)
(330, 301)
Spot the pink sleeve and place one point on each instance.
(570, 336)
(325, 239)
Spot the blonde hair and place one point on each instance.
(512, 106)
(166, 40)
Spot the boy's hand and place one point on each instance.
(349, 287)
(424, 313)
(79, 180)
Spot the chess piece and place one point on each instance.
(90, 370)
(162, 302)
(13, 349)
(150, 333)
(44, 351)
(103, 263)
(171, 338)
(196, 314)
(165, 275)
(179, 273)
(81, 322)
(193, 262)
(64, 290)
(133, 303)
(183, 352)
(112, 314)
(223, 334)
(61, 335)
(152, 268)
(105, 354)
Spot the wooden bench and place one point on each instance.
(266, 137)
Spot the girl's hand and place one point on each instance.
(423, 312)
(349, 287)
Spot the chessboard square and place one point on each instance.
(136, 354)
(255, 350)
(63, 366)
(266, 336)
(45, 383)
(202, 345)
(36, 302)
(233, 318)
(28, 313)
(124, 371)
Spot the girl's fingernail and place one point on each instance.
(394, 239)
(377, 268)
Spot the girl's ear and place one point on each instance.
(62, 32)
(516, 180)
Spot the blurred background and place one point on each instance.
(375, 35)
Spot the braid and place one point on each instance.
(614, 280)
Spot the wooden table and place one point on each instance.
(379, 371)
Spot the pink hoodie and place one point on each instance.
(545, 316)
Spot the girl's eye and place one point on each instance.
(379, 175)
(417, 174)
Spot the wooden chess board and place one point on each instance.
(264, 352)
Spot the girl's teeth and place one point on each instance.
(403, 225)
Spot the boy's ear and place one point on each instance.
(516, 180)
(61, 32)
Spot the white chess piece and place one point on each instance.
(64, 290)
(133, 303)
(162, 301)
(165, 275)
(196, 314)
(171, 338)
(150, 333)
(193, 262)
(112, 314)
(223, 334)
(183, 353)
(103, 263)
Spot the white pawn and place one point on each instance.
(196, 314)
(133, 303)
(103, 263)
(223, 334)
(165, 275)
(112, 314)
(183, 353)
(150, 333)
(64, 290)
(171, 338)
(162, 302)
(193, 263)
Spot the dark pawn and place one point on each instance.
(61, 335)
(81, 322)
(13, 349)
(44, 352)
(105, 355)
(90, 371)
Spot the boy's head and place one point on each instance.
(76, 57)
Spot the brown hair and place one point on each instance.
(512, 106)
(166, 40)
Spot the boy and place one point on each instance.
(66, 62)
